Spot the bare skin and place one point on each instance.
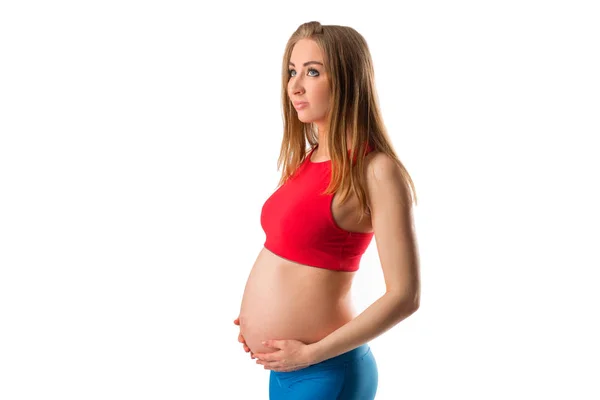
(286, 300)
(283, 299)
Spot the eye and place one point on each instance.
(309, 71)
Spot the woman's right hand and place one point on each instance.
(242, 340)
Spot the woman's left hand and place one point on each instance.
(292, 355)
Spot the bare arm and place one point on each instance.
(391, 214)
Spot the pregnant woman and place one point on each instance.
(342, 184)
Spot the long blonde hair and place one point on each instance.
(354, 109)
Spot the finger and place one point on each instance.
(282, 368)
(275, 344)
(246, 348)
(271, 365)
(236, 321)
(267, 357)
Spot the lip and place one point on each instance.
(300, 104)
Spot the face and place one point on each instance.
(308, 83)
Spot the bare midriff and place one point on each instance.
(286, 300)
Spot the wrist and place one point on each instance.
(315, 351)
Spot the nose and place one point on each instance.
(296, 86)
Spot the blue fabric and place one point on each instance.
(349, 376)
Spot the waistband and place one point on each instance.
(351, 355)
(344, 358)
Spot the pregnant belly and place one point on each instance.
(286, 300)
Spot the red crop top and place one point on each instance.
(299, 225)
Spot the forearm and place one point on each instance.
(383, 314)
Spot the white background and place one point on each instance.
(139, 141)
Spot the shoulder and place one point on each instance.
(380, 166)
(384, 178)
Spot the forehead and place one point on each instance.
(306, 50)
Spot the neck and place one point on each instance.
(323, 150)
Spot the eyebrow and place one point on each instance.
(307, 63)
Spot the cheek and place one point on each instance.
(322, 94)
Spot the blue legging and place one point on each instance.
(349, 376)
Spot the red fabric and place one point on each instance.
(299, 226)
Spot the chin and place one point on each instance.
(305, 120)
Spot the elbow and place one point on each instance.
(407, 308)
(416, 306)
(406, 303)
(416, 300)
(412, 305)
(406, 295)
